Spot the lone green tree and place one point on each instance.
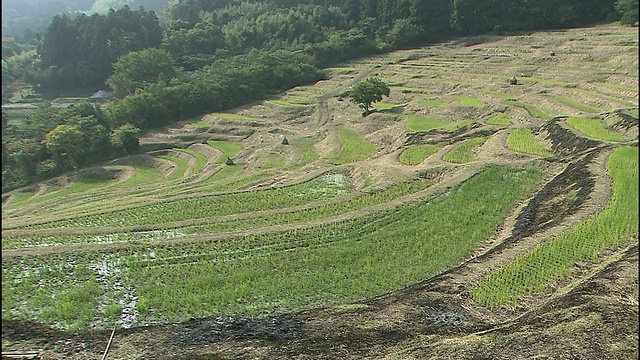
(367, 92)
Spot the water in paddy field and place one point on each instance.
(107, 273)
(335, 183)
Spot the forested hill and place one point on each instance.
(26, 19)
(199, 56)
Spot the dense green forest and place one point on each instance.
(200, 56)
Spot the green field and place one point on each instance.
(462, 218)
(354, 148)
(522, 140)
(416, 154)
(548, 263)
(594, 128)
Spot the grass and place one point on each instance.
(229, 149)
(234, 183)
(382, 106)
(305, 147)
(229, 116)
(503, 95)
(286, 103)
(354, 148)
(458, 125)
(411, 90)
(274, 160)
(602, 96)
(198, 123)
(617, 87)
(468, 101)
(578, 105)
(299, 99)
(225, 173)
(433, 103)
(181, 167)
(522, 140)
(423, 124)
(201, 159)
(594, 128)
(20, 196)
(416, 154)
(634, 112)
(532, 110)
(80, 186)
(465, 151)
(500, 120)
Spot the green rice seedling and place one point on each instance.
(224, 173)
(500, 120)
(594, 128)
(468, 101)
(423, 124)
(316, 211)
(549, 262)
(533, 111)
(465, 151)
(522, 140)
(416, 154)
(59, 194)
(634, 112)
(434, 103)
(354, 148)
(339, 262)
(229, 116)
(578, 105)
(229, 149)
(239, 182)
(143, 175)
(112, 311)
(199, 206)
(180, 170)
(201, 159)
(320, 265)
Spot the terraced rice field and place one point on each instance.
(458, 208)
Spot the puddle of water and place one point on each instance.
(108, 273)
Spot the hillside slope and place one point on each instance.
(141, 228)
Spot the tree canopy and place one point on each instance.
(138, 68)
(367, 92)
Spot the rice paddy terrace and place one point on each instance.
(466, 218)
